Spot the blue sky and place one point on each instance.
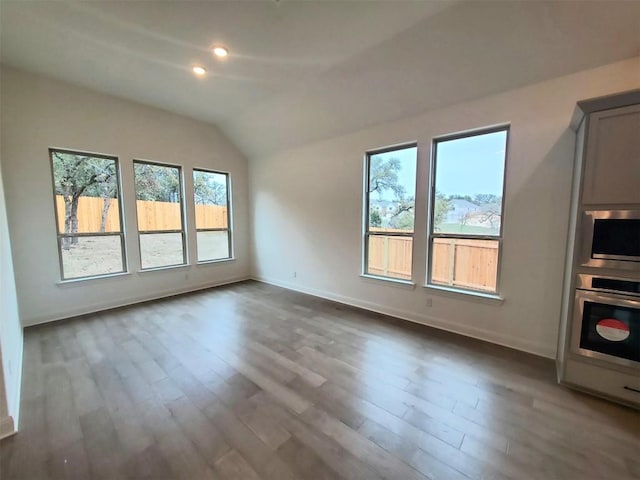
(471, 165)
(407, 173)
(465, 166)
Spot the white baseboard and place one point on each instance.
(87, 309)
(458, 328)
(7, 427)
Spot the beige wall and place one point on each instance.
(307, 212)
(38, 113)
(10, 332)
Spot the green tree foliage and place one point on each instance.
(403, 221)
(468, 198)
(209, 188)
(157, 183)
(484, 198)
(374, 219)
(383, 176)
(78, 175)
(441, 208)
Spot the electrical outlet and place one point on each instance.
(429, 302)
(10, 368)
(295, 274)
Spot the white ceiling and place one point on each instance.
(303, 71)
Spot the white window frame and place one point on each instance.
(61, 235)
(229, 228)
(431, 235)
(182, 215)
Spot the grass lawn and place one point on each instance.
(468, 229)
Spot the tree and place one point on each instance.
(483, 198)
(383, 176)
(493, 217)
(464, 219)
(207, 191)
(441, 208)
(403, 221)
(461, 197)
(107, 191)
(156, 182)
(76, 175)
(403, 217)
(374, 219)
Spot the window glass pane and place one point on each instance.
(91, 256)
(469, 176)
(86, 190)
(392, 190)
(158, 197)
(389, 256)
(465, 263)
(213, 245)
(161, 249)
(210, 197)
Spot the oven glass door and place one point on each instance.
(608, 327)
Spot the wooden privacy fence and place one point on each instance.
(456, 262)
(465, 263)
(390, 256)
(151, 215)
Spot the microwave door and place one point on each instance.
(616, 239)
(610, 239)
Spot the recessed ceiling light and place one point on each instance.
(220, 51)
(199, 70)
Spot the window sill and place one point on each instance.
(490, 298)
(213, 262)
(80, 281)
(160, 269)
(391, 282)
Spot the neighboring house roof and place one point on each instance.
(460, 208)
(491, 207)
(383, 203)
(461, 204)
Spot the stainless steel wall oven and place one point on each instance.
(607, 319)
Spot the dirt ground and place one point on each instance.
(102, 255)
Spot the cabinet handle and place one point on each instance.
(626, 387)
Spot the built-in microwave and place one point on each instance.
(611, 239)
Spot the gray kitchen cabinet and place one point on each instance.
(599, 337)
(612, 163)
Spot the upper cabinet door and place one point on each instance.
(612, 165)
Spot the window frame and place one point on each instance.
(60, 236)
(183, 231)
(431, 235)
(366, 233)
(229, 228)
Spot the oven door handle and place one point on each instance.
(608, 298)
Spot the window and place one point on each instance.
(212, 199)
(465, 227)
(160, 214)
(390, 188)
(88, 214)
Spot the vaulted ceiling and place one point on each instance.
(300, 71)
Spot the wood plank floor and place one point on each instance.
(251, 382)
